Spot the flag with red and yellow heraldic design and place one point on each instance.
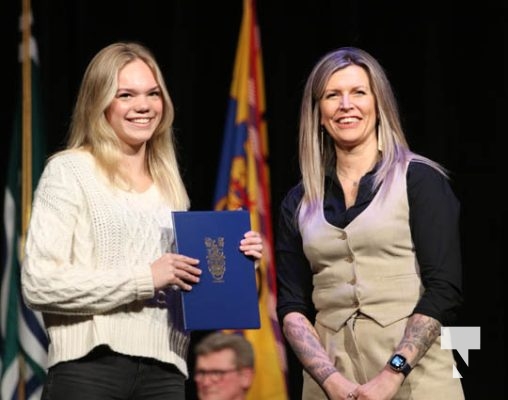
(243, 182)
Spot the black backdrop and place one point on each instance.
(446, 62)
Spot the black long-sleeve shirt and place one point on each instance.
(434, 214)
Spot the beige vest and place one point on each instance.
(368, 267)
(367, 281)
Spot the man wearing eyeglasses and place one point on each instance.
(224, 368)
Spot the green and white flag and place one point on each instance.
(23, 346)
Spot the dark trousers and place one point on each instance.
(107, 375)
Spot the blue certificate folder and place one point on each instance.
(226, 295)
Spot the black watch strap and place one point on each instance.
(398, 363)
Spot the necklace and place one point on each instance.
(354, 182)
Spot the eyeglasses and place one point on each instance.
(215, 375)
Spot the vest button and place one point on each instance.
(350, 259)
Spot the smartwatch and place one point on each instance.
(399, 364)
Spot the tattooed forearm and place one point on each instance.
(304, 341)
(421, 331)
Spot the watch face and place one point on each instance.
(397, 361)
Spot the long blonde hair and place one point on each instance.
(90, 129)
(316, 148)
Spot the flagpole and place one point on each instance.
(26, 150)
(26, 183)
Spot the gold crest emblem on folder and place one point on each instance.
(215, 258)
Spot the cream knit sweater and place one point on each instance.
(86, 265)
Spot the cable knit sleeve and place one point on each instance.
(62, 270)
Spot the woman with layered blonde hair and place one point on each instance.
(100, 261)
(368, 248)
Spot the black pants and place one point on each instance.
(104, 374)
